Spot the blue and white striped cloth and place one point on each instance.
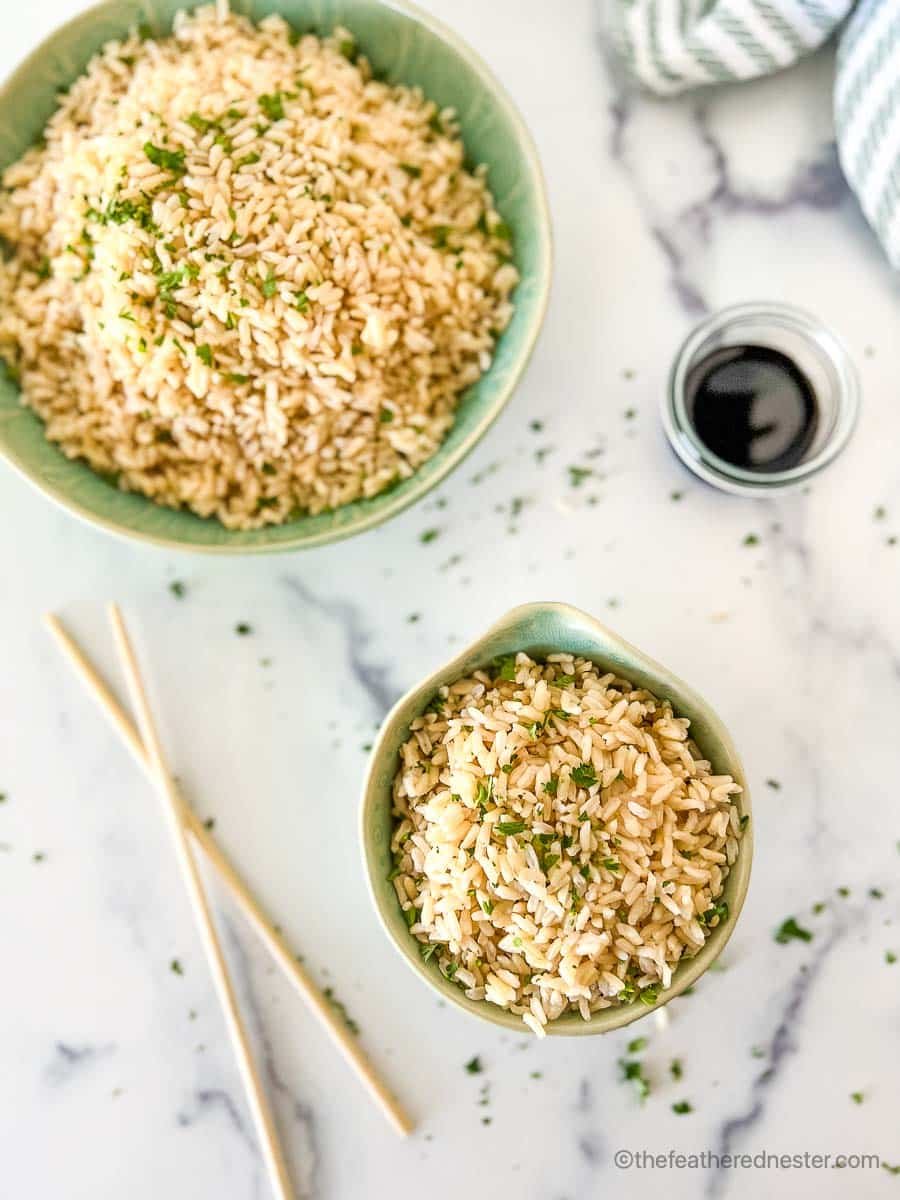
(673, 45)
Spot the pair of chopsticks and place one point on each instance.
(184, 825)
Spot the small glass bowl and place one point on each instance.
(816, 351)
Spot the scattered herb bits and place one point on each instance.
(789, 931)
(633, 1072)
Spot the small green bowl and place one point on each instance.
(407, 46)
(541, 629)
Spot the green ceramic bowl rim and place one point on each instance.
(392, 506)
(687, 972)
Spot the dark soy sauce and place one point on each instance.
(753, 407)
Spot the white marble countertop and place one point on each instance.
(115, 1074)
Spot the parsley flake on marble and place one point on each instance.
(789, 930)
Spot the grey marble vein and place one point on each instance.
(69, 1060)
(373, 677)
(783, 1045)
(208, 1100)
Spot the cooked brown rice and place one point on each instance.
(560, 844)
(246, 277)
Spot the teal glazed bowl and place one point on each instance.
(541, 629)
(405, 45)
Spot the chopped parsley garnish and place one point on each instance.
(302, 302)
(411, 169)
(169, 160)
(681, 1107)
(175, 967)
(202, 124)
(269, 285)
(856, 1097)
(272, 105)
(676, 1070)
(890, 957)
(751, 539)
(248, 160)
(612, 864)
(473, 1066)
(428, 535)
(178, 589)
(348, 48)
(488, 906)
(564, 681)
(649, 995)
(120, 211)
(789, 930)
(551, 786)
(410, 916)
(718, 912)
(484, 792)
(235, 377)
(636, 1045)
(509, 828)
(577, 475)
(584, 775)
(429, 950)
(633, 1072)
(341, 1008)
(773, 784)
(205, 354)
(506, 667)
(242, 629)
(385, 416)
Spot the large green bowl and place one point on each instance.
(406, 46)
(541, 629)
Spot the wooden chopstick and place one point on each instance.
(172, 807)
(342, 1038)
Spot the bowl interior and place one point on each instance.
(405, 46)
(541, 629)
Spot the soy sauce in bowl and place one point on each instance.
(753, 407)
(761, 397)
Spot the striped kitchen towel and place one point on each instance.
(673, 45)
